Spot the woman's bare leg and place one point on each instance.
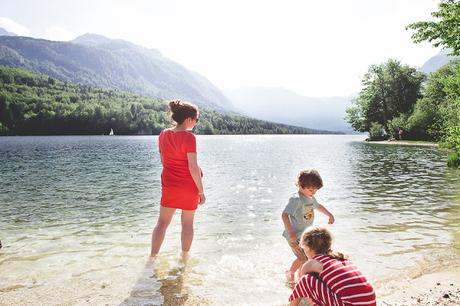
(187, 218)
(159, 231)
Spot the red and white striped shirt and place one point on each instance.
(340, 283)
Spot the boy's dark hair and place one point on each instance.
(309, 178)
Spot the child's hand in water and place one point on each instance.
(331, 219)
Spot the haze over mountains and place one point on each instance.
(324, 113)
(284, 106)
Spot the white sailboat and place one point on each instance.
(111, 132)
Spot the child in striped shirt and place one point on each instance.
(329, 278)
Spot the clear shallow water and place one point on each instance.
(76, 215)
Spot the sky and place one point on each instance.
(314, 48)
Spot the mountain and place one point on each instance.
(284, 106)
(4, 32)
(114, 64)
(437, 61)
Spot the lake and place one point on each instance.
(77, 212)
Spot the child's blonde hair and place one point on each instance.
(319, 239)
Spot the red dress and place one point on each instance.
(178, 189)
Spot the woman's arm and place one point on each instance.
(195, 172)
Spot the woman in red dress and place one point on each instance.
(181, 186)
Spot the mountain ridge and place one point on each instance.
(113, 64)
(4, 32)
(437, 61)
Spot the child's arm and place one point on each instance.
(295, 302)
(309, 267)
(288, 226)
(323, 210)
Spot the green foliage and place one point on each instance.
(355, 115)
(34, 104)
(439, 108)
(445, 31)
(389, 90)
(437, 115)
(452, 139)
(453, 160)
(376, 131)
(397, 123)
(3, 129)
(422, 123)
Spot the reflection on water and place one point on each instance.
(161, 283)
(76, 216)
(409, 195)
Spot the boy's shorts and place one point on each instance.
(297, 250)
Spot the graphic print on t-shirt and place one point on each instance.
(308, 213)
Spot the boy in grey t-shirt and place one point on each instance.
(299, 214)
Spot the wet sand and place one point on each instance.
(438, 288)
(163, 283)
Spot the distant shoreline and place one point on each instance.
(198, 134)
(406, 143)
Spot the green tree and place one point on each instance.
(438, 113)
(436, 110)
(445, 31)
(389, 90)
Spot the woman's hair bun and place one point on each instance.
(181, 110)
(175, 105)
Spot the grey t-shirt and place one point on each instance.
(301, 213)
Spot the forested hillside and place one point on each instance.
(35, 104)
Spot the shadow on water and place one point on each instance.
(160, 284)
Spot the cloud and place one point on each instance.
(12, 26)
(58, 33)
